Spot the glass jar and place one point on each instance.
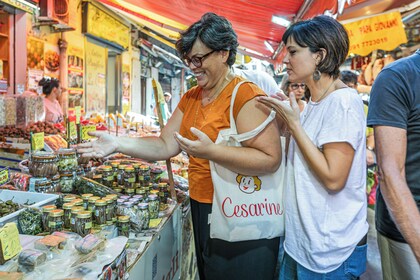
(129, 177)
(83, 223)
(114, 166)
(55, 183)
(107, 176)
(67, 214)
(147, 190)
(130, 191)
(77, 202)
(144, 175)
(123, 225)
(153, 206)
(143, 215)
(43, 186)
(92, 201)
(67, 160)
(109, 208)
(66, 182)
(139, 197)
(154, 192)
(68, 198)
(118, 190)
(140, 191)
(120, 175)
(163, 192)
(43, 164)
(119, 207)
(155, 174)
(45, 213)
(56, 220)
(74, 211)
(85, 198)
(136, 167)
(100, 212)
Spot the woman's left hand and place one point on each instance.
(198, 148)
(290, 114)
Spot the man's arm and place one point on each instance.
(391, 148)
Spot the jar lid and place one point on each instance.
(154, 192)
(125, 197)
(41, 183)
(114, 164)
(42, 155)
(161, 185)
(123, 218)
(56, 213)
(77, 201)
(94, 198)
(120, 201)
(87, 195)
(108, 200)
(152, 197)
(69, 198)
(128, 204)
(129, 190)
(143, 205)
(68, 205)
(107, 168)
(66, 152)
(56, 177)
(136, 165)
(112, 196)
(156, 170)
(140, 191)
(118, 190)
(138, 196)
(129, 169)
(109, 223)
(66, 174)
(48, 208)
(100, 202)
(77, 209)
(144, 167)
(121, 166)
(84, 214)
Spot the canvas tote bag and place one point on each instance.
(246, 207)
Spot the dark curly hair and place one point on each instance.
(322, 32)
(214, 31)
(48, 84)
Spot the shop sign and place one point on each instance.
(104, 26)
(85, 131)
(384, 32)
(22, 5)
(37, 141)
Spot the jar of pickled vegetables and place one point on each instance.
(74, 211)
(144, 175)
(55, 183)
(123, 225)
(67, 160)
(45, 213)
(100, 212)
(43, 186)
(67, 182)
(107, 176)
(153, 206)
(83, 223)
(92, 201)
(43, 164)
(85, 198)
(120, 175)
(143, 215)
(56, 220)
(136, 167)
(67, 214)
(129, 177)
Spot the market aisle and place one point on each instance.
(373, 270)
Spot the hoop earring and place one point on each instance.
(316, 75)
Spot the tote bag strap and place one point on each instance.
(249, 134)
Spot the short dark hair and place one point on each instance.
(322, 32)
(216, 32)
(348, 77)
(48, 84)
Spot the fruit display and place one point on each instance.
(16, 132)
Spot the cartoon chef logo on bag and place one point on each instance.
(248, 184)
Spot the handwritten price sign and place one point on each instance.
(86, 129)
(72, 130)
(37, 141)
(78, 113)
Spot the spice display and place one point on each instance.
(56, 220)
(143, 215)
(129, 177)
(43, 164)
(123, 225)
(100, 212)
(83, 223)
(120, 175)
(67, 160)
(85, 198)
(153, 206)
(30, 221)
(73, 217)
(67, 214)
(45, 213)
(92, 201)
(66, 182)
(107, 176)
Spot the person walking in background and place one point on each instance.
(297, 88)
(209, 48)
(325, 200)
(52, 91)
(394, 113)
(261, 79)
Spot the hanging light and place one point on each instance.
(280, 21)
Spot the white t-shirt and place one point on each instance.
(261, 79)
(323, 229)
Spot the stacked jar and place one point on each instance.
(84, 223)
(43, 164)
(56, 220)
(67, 182)
(75, 210)
(67, 160)
(67, 214)
(129, 178)
(107, 176)
(144, 175)
(153, 206)
(120, 175)
(45, 213)
(143, 215)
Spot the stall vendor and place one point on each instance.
(52, 91)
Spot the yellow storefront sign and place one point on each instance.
(384, 32)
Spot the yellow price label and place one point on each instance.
(86, 129)
(72, 130)
(4, 176)
(78, 113)
(37, 141)
(9, 239)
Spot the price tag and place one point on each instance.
(4, 176)
(9, 239)
(37, 141)
(86, 129)
(78, 113)
(72, 130)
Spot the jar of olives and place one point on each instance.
(129, 177)
(43, 164)
(66, 182)
(123, 225)
(56, 220)
(143, 215)
(74, 211)
(45, 213)
(67, 214)
(67, 160)
(107, 176)
(153, 206)
(85, 198)
(83, 223)
(100, 212)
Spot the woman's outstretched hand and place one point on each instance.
(105, 145)
(197, 148)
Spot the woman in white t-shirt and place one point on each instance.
(325, 199)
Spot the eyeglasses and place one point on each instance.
(195, 60)
(296, 86)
